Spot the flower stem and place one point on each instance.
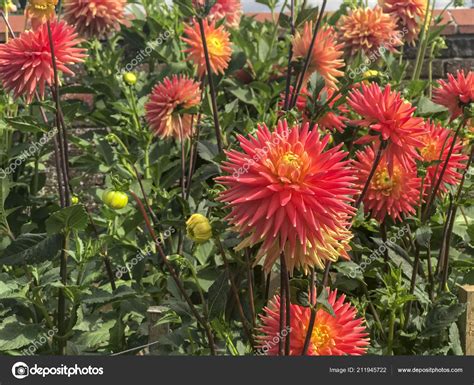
(290, 55)
(175, 276)
(391, 333)
(299, 84)
(378, 157)
(211, 86)
(245, 322)
(434, 191)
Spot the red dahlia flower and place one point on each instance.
(437, 141)
(388, 194)
(166, 100)
(96, 18)
(287, 192)
(25, 62)
(456, 93)
(386, 113)
(342, 334)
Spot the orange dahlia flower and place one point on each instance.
(40, 11)
(369, 30)
(96, 18)
(338, 335)
(168, 98)
(329, 120)
(326, 57)
(287, 192)
(410, 15)
(388, 194)
(456, 93)
(437, 142)
(391, 117)
(218, 46)
(25, 62)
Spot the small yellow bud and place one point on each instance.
(198, 228)
(370, 74)
(9, 7)
(130, 78)
(75, 200)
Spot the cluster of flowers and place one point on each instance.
(26, 65)
(297, 200)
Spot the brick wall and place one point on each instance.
(459, 35)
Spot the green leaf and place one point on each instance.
(14, 335)
(66, 219)
(322, 302)
(455, 340)
(207, 150)
(29, 248)
(26, 124)
(427, 107)
(218, 296)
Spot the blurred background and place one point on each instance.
(254, 6)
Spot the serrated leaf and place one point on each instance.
(66, 219)
(30, 248)
(14, 335)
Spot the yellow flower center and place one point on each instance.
(289, 167)
(430, 152)
(215, 45)
(321, 337)
(384, 183)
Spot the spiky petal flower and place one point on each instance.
(338, 335)
(391, 117)
(455, 93)
(326, 57)
(287, 192)
(368, 30)
(39, 12)
(410, 15)
(168, 98)
(98, 18)
(229, 10)
(437, 142)
(25, 62)
(388, 194)
(218, 46)
(330, 120)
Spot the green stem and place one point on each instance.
(391, 333)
